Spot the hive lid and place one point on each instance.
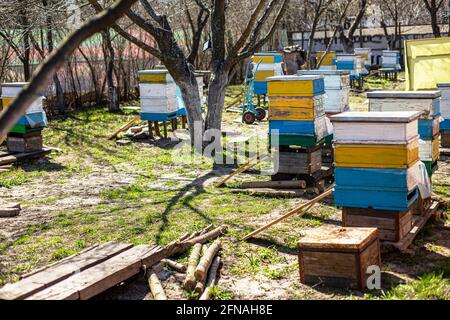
(295, 78)
(338, 238)
(14, 84)
(323, 72)
(443, 85)
(393, 116)
(405, 94)
(265, 54)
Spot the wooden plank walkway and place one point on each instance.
(102, 276)
(61, 270)
(10, 158)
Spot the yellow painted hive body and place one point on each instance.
(288, 108)
(376, 155)
(291, 88)
(159, 77)
(328, 60)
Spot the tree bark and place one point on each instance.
(113, 100)
(216, 98)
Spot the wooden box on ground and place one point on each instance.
(339, 257)
(24, 144)
(445, 139)
(392, 225)
(299, 161)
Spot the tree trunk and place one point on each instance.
(112, 89)
(216, 99)
(435, 25)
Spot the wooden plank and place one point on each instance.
(100, 277)
(60, 271)
(18, 157)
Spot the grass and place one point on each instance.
(161, 200)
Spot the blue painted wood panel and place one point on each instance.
(379, 178)
(33, 120)
(260, 88)
(426, 129)
(293, 127)
(445, 125)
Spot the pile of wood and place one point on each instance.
(101, 267)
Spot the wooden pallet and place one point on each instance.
(84, 275)
(419, 223)
(10, 158)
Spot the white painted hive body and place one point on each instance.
(445, 100)
(337, 88)
(426, 102)
(375, 127)
(11, 90)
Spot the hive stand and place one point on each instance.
(418, 224)
(154, 127)
(389, 74)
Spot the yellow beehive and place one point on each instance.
(376, 156)
(286, 108)
(6, 102)
(328, 60)
(295, 86)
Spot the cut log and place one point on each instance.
(212, 276)
(291, 184)
(156, 287)
(200, 286)
(206, 260)
(64, 269)
(271, 193)
(125, 127)
(189, 282)
(179, 267)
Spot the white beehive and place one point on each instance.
(11, 90)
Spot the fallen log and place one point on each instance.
(179, 267)
(271, 193)
(212, 276)
(125, 127)
(206, 260)
(194, 258)
(156, 287)
(10, 211)
(291, 184)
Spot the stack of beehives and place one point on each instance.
(158, 92)
(390, 60)
(266, 64)
(425, 102)
(337, 89)
(445, 112)
(366, 55)
(26, 135)
(351, 63)
(297, 119)
(328, 62)
(378, 174)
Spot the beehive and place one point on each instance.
(288, 108)
(328, 61)
(445, 113)
(338, 256)
(337, 88)
(316, 128)
(391, 59)
(351, 63)
(366, 55)
(376, 160)
(426, 102)
(26, 135)
(158, 94)
(266, 65)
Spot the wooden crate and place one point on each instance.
(160, 76)
(392, 225)
(339, 257)
(288, 108)
(300, 161)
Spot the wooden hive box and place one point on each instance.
(392, 225)
(299, 162)
(25, 144)
(429, 128)
(328, 60)
(295, 86)
(333, 79)
(339, 257)
(375, 127)
(315, 128)
(267, 57)
(427, 102)
(11, 90)
(389, 156)
(445, 139)
(297, 109)
(429, 149)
